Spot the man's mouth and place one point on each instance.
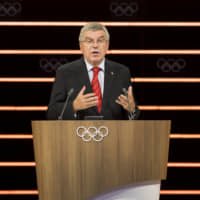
(95, 53)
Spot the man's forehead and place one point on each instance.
(94, 34)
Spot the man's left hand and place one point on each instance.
(122, 100)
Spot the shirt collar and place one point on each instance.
(101, 65)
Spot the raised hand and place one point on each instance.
(84, 101)
(122, 100)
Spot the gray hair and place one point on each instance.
(94, 26)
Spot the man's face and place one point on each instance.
(94, 46)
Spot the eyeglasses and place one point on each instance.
(91, 42)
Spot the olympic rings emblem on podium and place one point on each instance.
(92, 133)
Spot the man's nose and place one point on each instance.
(95, 43)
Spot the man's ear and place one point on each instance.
(80, 46)
(108, 44)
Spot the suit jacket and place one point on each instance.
(75, 75)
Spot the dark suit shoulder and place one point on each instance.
(117, 66)
(72, 66)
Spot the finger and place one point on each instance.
(82, 90)
(130, 94)
(130, 91)
(119, 102)
(89, 95)
(91, 104)
(122, 98)
(124, 104)
(90, 99)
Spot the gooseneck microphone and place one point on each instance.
(66, 102)
(129, 107)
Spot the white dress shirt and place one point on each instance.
(100, 74)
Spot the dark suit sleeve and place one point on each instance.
(136, 113)
(58, 97)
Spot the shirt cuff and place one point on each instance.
(131, 115)
(75, 115)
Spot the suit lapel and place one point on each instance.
(84, 77)
(84, 80)
(110, 74)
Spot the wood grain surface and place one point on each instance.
(70, 169)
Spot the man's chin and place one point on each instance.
(96, 61)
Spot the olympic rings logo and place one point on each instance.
(52, 64)
(92, 133)
(124, 8)
(171, 65)
(10, 8)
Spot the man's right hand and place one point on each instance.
(84, 101)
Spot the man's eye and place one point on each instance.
(102, 40)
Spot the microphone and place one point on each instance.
(129, 107)
(66, 102)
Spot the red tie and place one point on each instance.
(96, 87)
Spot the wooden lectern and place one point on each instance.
(69, 168)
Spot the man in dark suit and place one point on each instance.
(98, 83)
